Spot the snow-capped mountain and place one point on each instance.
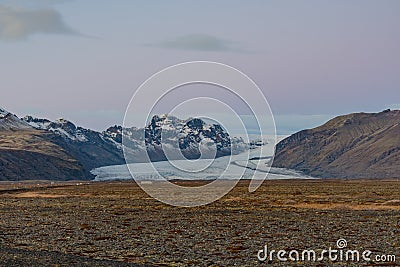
(175, 137)
(89, 147)
(193, 137)
(61, 127)
(30, 154)
(9, 121)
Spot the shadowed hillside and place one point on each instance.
(27, 154)
(350, 146)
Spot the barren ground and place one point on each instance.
(117, 224)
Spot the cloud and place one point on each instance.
(33, 4)
(17, 23)
(198, 42)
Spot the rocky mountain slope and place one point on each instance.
(32, 148)
(91, 148)
(191, 139)
(360, 145)
(27, 153)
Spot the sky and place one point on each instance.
(312, 59)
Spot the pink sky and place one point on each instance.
(85, 60)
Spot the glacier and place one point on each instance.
(252, 164)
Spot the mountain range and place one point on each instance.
(40, 149)
(359, 145)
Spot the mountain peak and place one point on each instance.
(62, 120)
(9, 121)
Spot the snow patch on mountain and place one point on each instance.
(168, 135)
(61, 127)
(9, 121)
(193, 138)
(3, 113)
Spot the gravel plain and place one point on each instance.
(117, 224)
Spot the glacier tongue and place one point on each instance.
(232, 167)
